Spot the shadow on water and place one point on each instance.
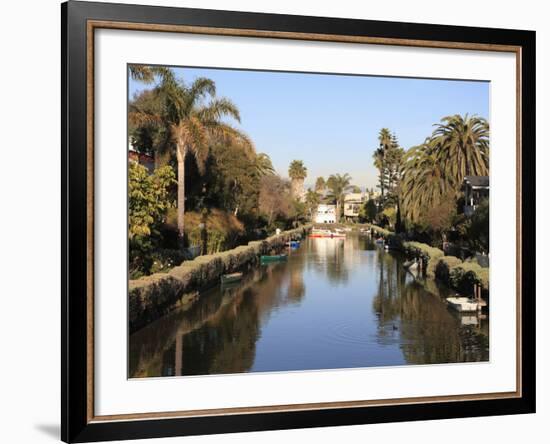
(334, 304)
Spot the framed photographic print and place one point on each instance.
(275, 221)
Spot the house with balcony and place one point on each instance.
(475, 189)
(352, 205)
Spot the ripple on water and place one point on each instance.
(350, 333)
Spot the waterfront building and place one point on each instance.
(352, 205)
(475, 188)
(326, 214)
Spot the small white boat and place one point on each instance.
(464, 304)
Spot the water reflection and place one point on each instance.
(335, 304)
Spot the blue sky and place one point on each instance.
(331, 122)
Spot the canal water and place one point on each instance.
(336, 303)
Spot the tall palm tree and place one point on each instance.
(297, 173)
(424, 183)
(338, 184)
(462, 144)
(193, 116)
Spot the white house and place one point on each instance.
(326, 214)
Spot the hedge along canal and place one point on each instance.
(151, 297)
(465, 277)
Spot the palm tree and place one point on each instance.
(424, 183)
(297, 173)
(146, 73)
(320, 184)
(434, 171)
(338, 185)
(263, 165)
(192, 124)
(462, 146)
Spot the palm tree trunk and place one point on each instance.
(180, 151)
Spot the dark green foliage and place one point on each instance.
(478, 232)
(233, 182)
(444, 266)
(388, 160)
(148, 203)
(370, 210)
(464, 275)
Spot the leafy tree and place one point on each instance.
(148, 198)
(439, 218)
(148, 203)
(338, 185)
(370, 210)
(233, 181)
(298, 211)
(312, 201)
(275, 200)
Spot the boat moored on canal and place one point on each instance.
(273, 258)
(465, 304)
(326, 233)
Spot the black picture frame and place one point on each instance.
(76, 424)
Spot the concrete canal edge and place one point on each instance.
(151, 297)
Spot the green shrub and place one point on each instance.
(464, 275)
(380, 231)
(430, 255)
(424, 250)
(444, 266)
